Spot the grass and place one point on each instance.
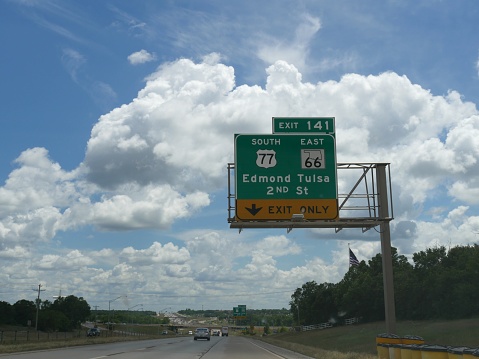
(359, 341)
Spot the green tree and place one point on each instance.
(302, 303)
(360, 293)
(441, 284)
(405, 285)
(75, 309)
(51, 320)
(25, 311)
(428, 270)
(325, 306)
(313, 303)
(7, 313)
(458, 282)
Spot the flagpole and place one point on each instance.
(348, 256)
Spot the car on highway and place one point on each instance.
(93, 332)
(202, 333)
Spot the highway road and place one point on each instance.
(232, 347)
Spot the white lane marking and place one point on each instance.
(269, 351)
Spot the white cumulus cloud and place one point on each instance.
(141, 57)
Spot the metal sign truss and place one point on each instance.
(358, 208)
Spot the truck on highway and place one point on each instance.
(224, 331)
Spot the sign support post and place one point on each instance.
(385, 232)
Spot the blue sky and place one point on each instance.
(118, 120)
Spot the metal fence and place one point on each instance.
(23, 336)
(16, 336)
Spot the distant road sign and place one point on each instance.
(319, 125)
(239, 312)
(284, 174)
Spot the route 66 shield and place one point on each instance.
(266, 158)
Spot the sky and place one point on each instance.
(118, 121)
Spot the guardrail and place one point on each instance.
(351, 321)
(305, 328)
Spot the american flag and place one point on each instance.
(353, 261)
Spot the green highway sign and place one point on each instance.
(279, 175)
(318, 125)
(239, 312)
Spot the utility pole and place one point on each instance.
(297, 307)
(96, 310)
(38, 304)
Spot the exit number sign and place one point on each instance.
(319, 125)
